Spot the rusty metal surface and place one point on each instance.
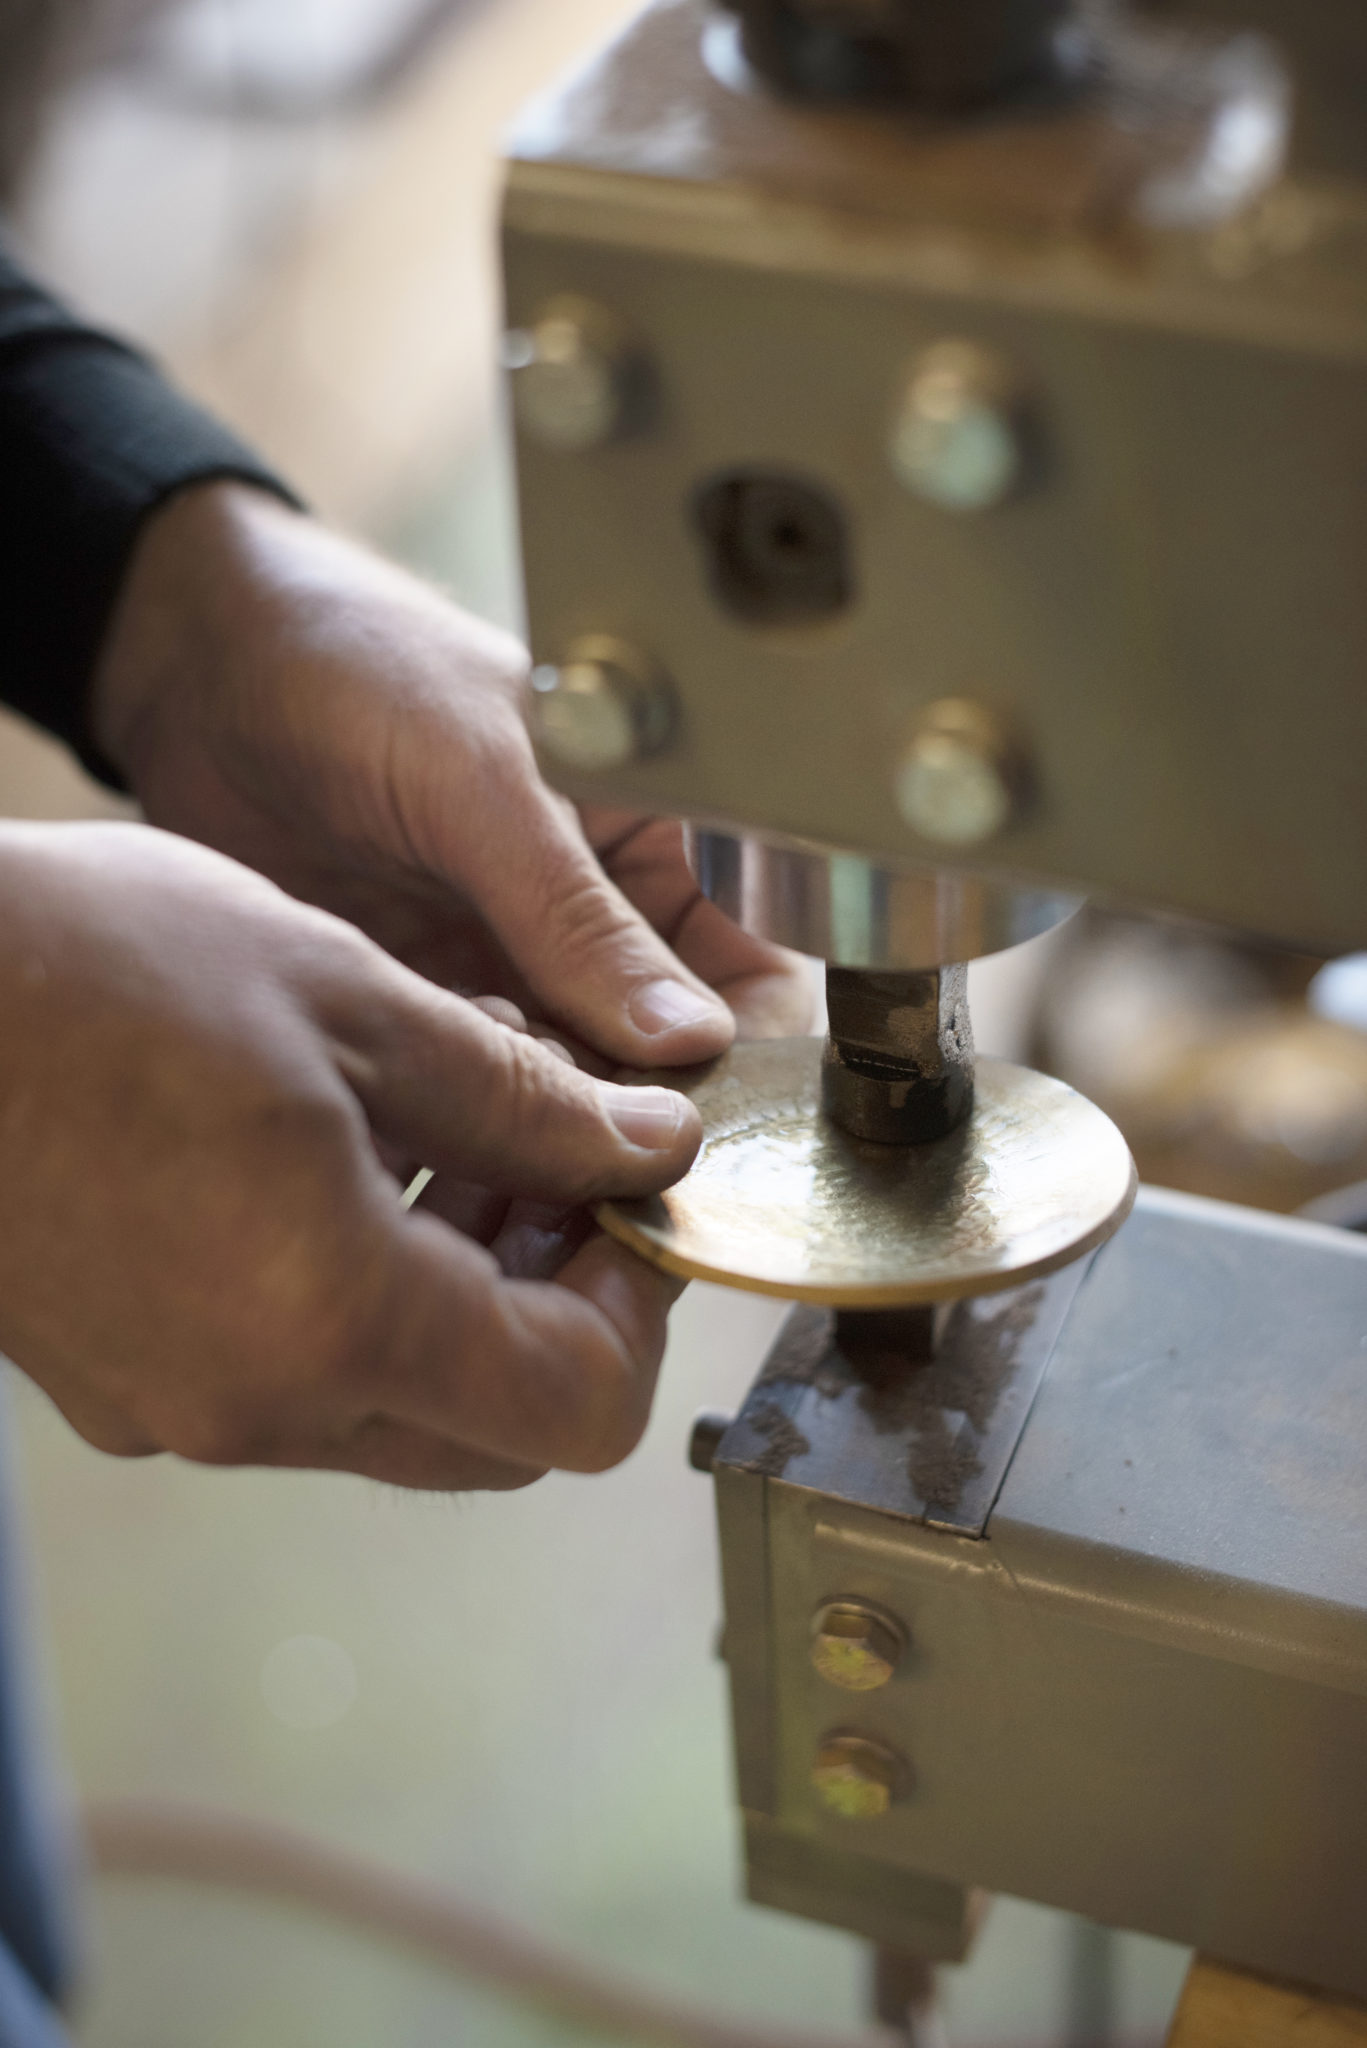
(899, 1061)
(867, 1416)
(783, 1202)
(896, 51)
(672, 98)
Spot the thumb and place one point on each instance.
(471, 1097)
(589, 956)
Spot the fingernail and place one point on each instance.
(665, 1005)
(648, 1117)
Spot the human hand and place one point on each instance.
(288, 698)
(202, 1245)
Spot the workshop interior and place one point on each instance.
(923, 443)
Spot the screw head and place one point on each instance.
(601, 708)
(956, 439)
(855, 1646)
(708, 1430)
(857, 1778)
(571, 375)
(955, 784)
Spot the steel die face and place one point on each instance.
(1157, 1718)
(1172, 617)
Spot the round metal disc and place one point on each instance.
(781, 1201)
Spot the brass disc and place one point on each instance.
(781, 1201)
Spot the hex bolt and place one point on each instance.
(858, 1778)
(855, 1646)
(956, 440)
(957, 783)
(708, 1430)
(577, 377)
(603, 707)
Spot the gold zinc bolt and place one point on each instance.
(855, 1646)
(574, 373)
(959, 781)
(858, 1778)
(956, 439)
(604, 706)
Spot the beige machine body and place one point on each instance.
(1161, 619)
(948, 517)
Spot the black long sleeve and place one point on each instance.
(92, 438)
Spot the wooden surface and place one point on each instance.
(1223, 2008)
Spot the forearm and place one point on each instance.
(92, 440)
(195, 600)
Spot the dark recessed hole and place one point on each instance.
(777, 547)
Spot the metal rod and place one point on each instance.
(898, 1066)
(904, 1997)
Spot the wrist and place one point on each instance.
(191, 587)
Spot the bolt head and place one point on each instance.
(602, 708)
(703, 1445)
(582, 717)
(570, 373)
(855, 1646)
(954, 782)
(956, 439)
(857, 1778)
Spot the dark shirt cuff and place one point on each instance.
(92, 439)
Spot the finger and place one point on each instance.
(102, 1423)
(767, 988)
(554, 1044)
(471, 1098)
(501, 1010)
(557, 1374)
(634, 1297)
(477, 1212)
(536, 1240)
(380, 1448)
(591, 959)
(395, 1161)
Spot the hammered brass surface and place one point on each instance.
(783, 1202)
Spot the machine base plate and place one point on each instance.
(782, 1201)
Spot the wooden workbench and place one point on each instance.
(1223, 2008)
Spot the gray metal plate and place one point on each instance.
(843, 1406)
(1207, 1406)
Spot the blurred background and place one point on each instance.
(291, 202)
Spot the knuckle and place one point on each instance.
(611, 1417)
(341, 1349)
(217, 1433)
(115, 1436)
(536, 1092)
(616, 1435)
(587, 914)
(310, 1123)
(522, 1082)
(516, 1479)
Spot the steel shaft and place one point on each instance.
(898, 1065)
